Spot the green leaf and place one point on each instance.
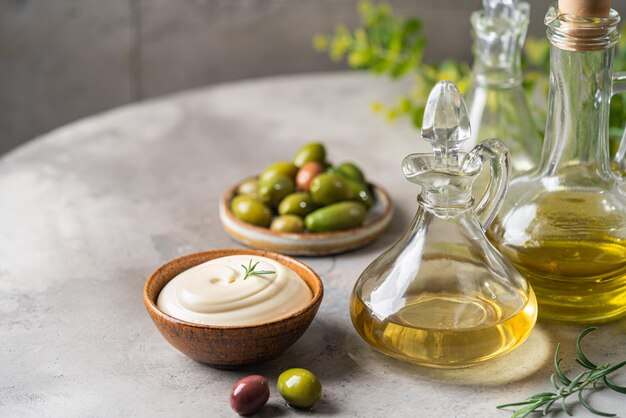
(381, 65)
(524, 412)
(575, 381)
(613, 386)
(584, 361)
(320, 43)
(547, 407)
(542, 395)
(553, 381)
(591, 409)
(418, 116)
(401, 69)
(394, 46)
(584, 380)
(557, 361)
(564, 407)
(365, 9)
(404, 105)
(603, 372)
(339, 46)
(412, 26)
(358, 59)
(537, 53)
(506, 405)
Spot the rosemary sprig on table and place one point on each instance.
(251, 272)
(564, 387)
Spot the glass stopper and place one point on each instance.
(446, 124)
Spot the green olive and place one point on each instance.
(351, 171)
(327, 189)
(285, 168)
(273, 190)
(332, 170)
(336, 217)
(249, 188)
(251, 210)
(361, 193)
(299, 387)
(288, 223)
(300, 204)
(310, 152)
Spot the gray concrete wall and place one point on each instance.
(61, 60)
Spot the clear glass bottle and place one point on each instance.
(564, 225)
(496, 101)
(442, 296)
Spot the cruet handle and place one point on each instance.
(619, 86)
(495, 153)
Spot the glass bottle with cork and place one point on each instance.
(564, 225)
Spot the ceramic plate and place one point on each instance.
(318, 243)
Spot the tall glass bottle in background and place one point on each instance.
(496, 101)
(564, 225)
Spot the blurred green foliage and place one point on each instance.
(386, 44)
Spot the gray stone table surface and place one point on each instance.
(88, 211)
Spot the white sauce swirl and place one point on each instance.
(214, 293)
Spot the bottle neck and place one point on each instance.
(578, 111)
(497, 77)
(497, 47)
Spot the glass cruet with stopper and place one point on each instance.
(496, 102)
(442, 296)
(564, 225)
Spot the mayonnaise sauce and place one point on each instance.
(214, 293)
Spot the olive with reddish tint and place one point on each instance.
(249, 395)
(307, 173)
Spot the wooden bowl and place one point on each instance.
(231, 346)
(308, 243)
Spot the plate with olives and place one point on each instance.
(306, 207)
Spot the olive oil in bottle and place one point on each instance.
(571, 252)
(564, 225)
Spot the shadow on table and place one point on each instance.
(533, 355)
(322, 351)
(604, 345)
(336, 354)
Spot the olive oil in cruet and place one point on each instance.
(442, 296)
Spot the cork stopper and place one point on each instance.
(585, 20)
(585, 8)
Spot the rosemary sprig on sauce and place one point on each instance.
(564, 386)
(250, 270)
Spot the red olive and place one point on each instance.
(249, 394)
(307, 173)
